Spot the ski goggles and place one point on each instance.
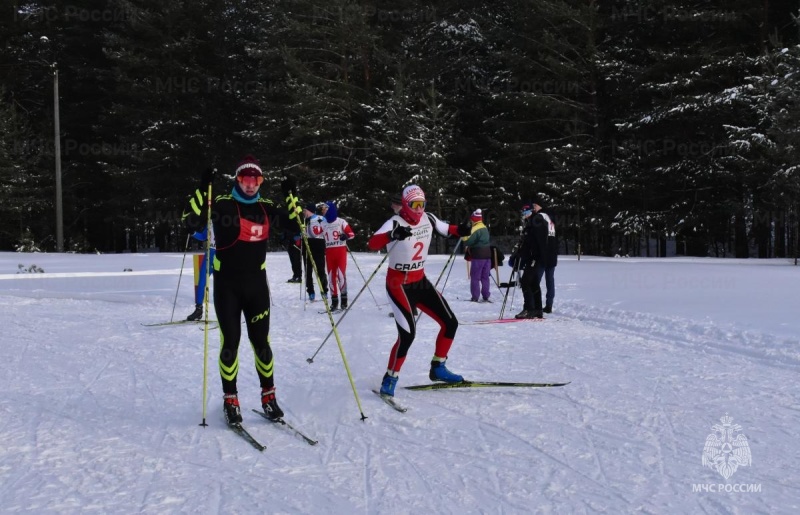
(417, 204)
(250, 180)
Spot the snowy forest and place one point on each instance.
(632, 120)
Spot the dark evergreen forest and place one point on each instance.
(642, 124)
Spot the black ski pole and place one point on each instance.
(362, 275)
(185, 250)
(346, 311)
(511, 282)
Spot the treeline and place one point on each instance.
(634, 120)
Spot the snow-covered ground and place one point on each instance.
(100, 414)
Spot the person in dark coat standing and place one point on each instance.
(538, 256)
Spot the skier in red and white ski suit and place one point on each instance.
(408, 237)
(337, 232)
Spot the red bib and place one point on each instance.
(251, 231)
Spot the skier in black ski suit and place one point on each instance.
(241, 223)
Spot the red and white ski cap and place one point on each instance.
(412, 193)
(248, 167)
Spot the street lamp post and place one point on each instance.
(57, 151)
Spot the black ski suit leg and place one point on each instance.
(531, 289)
(228, 307)
(256, 307)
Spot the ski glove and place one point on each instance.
(464, 229)
(516, 259)
(344, 236)
(523, 264)
(399, 232)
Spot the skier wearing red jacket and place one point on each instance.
(407, 236)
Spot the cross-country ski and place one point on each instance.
(179, 322)
(281, 422)
(481, 384)
(241, 431)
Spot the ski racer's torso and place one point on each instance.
(408, 256)
(241, 232)
(333, 231)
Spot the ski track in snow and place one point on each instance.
(101, 414)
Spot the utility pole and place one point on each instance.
(57, 152)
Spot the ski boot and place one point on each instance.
(197, 314)
(334, 303)
(529, 313)
(344, 301)
(230, 406)
(440, 373)
(388, 384)
(270, 404)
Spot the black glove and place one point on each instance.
(399, 232)
(207, 177)
(515, 259)
(464, 229)
(344, 236)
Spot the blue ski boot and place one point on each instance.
(440, 373)
(388, 384)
